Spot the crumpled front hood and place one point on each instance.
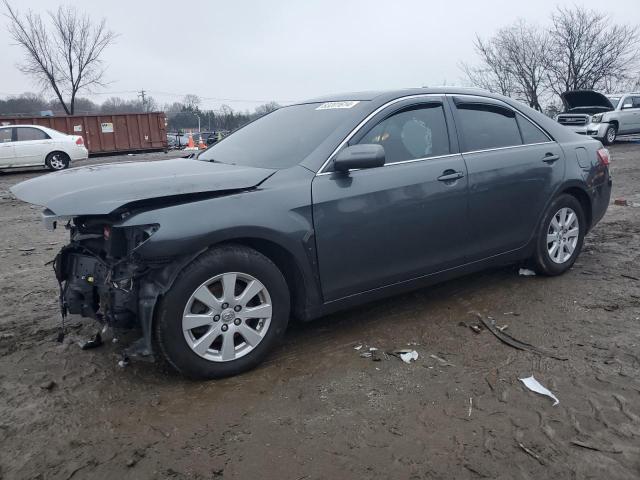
(100, 189)
(583, 99)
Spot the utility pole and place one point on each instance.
(142, 95)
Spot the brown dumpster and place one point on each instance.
(118, 133)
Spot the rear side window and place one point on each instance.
(27, 133)
(530, 133)
(413, 133)
(636, 102)
(5, 135)
(487, 126)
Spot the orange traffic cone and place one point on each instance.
(190, 144)
(201, 144)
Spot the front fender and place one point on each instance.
(278, 212)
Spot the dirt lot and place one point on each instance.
(317, 409)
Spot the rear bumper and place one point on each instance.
(78, 153)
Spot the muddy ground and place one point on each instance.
(317, 409)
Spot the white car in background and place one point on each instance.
(24, 146)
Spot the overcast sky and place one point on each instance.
(244, 53)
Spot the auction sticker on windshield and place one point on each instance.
(332, 105)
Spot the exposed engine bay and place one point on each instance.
(101, 276)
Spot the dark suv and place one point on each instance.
(317, 207)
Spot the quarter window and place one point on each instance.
(530, 133)
(413, 133)
(5, 135)
(487, 126)
(27, 133)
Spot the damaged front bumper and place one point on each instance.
(101, 277)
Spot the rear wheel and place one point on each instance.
(57, 161)
(610, 135)
(560, 237)
(224, 313)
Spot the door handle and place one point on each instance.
(550, 158)
(450, 175)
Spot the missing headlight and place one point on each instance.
(125, 240)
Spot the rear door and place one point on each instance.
(31, 146)
(7, 152)
(380, 226)
(627, 117)
(514, 168)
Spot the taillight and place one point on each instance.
(79, 141)
(603, 156)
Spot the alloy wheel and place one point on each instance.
(611, 135)
(562, 235)
(57, 162)
(227, 317)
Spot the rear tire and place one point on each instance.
(57, 161)
(560, 236)
(610, 135)
(229, 337)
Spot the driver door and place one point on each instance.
(385, 225)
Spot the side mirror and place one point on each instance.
(359, 156)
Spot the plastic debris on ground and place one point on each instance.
(532, 384)
(407, 356)
(525, 272)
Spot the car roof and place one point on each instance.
(24, 125)
(386, 95)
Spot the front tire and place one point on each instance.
(610, 135)
(560, 236)
(223, 314)
(57, 161)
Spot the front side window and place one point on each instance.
(28, 133)
(530, 133)
(485, 126)
(5, 135)
(413, 133)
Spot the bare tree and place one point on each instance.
(266, 108)
(512, 63)
(492, 75)
(191, 101)
(65, 56)
(587, 51)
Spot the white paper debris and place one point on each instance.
(525, 272)
(535, 386)
(409, 356)
(358, 347)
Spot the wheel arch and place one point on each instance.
(286, 263)
(583, 197)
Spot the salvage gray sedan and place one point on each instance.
(317, 207)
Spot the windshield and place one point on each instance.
(614, 101)
(282, 138)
